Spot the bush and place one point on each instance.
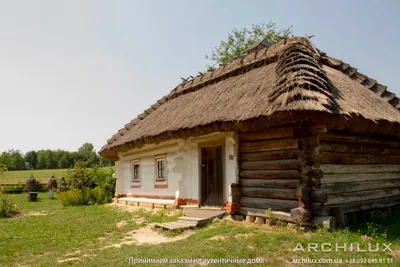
(12, 188)
(90, 185)
(7, 209)
(73, 197)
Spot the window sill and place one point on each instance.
(135, 184)
(161, 185)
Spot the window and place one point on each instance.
(135, 172)
(161, 170)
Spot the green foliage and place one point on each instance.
(93, 230)
(13, 159)
(240, 40)
(73, 197)
(271, 216)
(3, 168)
(376, 231)
(51, 159)
(12, 188)
(7, 209)
(31, 160)
(95, 185)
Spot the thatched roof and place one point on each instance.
(290, 79)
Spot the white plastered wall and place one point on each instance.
(183, 164)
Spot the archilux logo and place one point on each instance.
(355, 247)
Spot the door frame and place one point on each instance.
(212, 143)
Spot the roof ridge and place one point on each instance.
(239, 66)
(258, 59)
(370, 83)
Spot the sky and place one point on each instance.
(76, 71)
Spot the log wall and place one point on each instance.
(359, 173)
(269, 174)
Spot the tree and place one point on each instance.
(13, 159)
(87, 154)
(240, 40)
(31, 160)
(3, 168)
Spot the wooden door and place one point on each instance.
(211, 176)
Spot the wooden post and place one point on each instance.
(327, 222)
(250, 219)
(259, 220)
(339, 216)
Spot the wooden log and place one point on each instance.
(318, 195)
(360, 216)
(270, 155)
(284, 164)
(268, 145)
(365, 149)
(304, 168)
(250, 219)
(305, 202)
(396, 208)
(299, 215)
(317, 129)
(270, 183)
(351, 218)
(363, 205)
(313, 162)
(271, 193)
(362, 177)
(280, 215)
(235, 192)
(358, 139)
(344, 158)
(259, 220)
(312, 141)
(361, 196)
(269, 222)
(360, 186)
(265, 203)
(319, 209)
(271, 133)
(235, 188)
(274, 174)
(340, 168)
(339, 216)
(311, 181)
(327, 222)
(303, 191)
(315, 173)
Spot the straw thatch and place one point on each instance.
(270, 83)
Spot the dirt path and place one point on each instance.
(142, 236)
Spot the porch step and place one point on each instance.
(176, 225)
(192, 218)
(198, 221)
(189, 207)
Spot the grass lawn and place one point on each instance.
(105, 236)
(14, 177)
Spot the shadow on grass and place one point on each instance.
(381, 226)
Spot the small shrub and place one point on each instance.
(376, 231)
(271, 216)
(7, 209)
(378, 215)
(73, 198)
(96, 185)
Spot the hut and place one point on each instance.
(284, 127)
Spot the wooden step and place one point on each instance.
(176, 225)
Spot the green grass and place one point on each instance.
(42, 240)
(14, 177)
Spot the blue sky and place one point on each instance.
(77, 71)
